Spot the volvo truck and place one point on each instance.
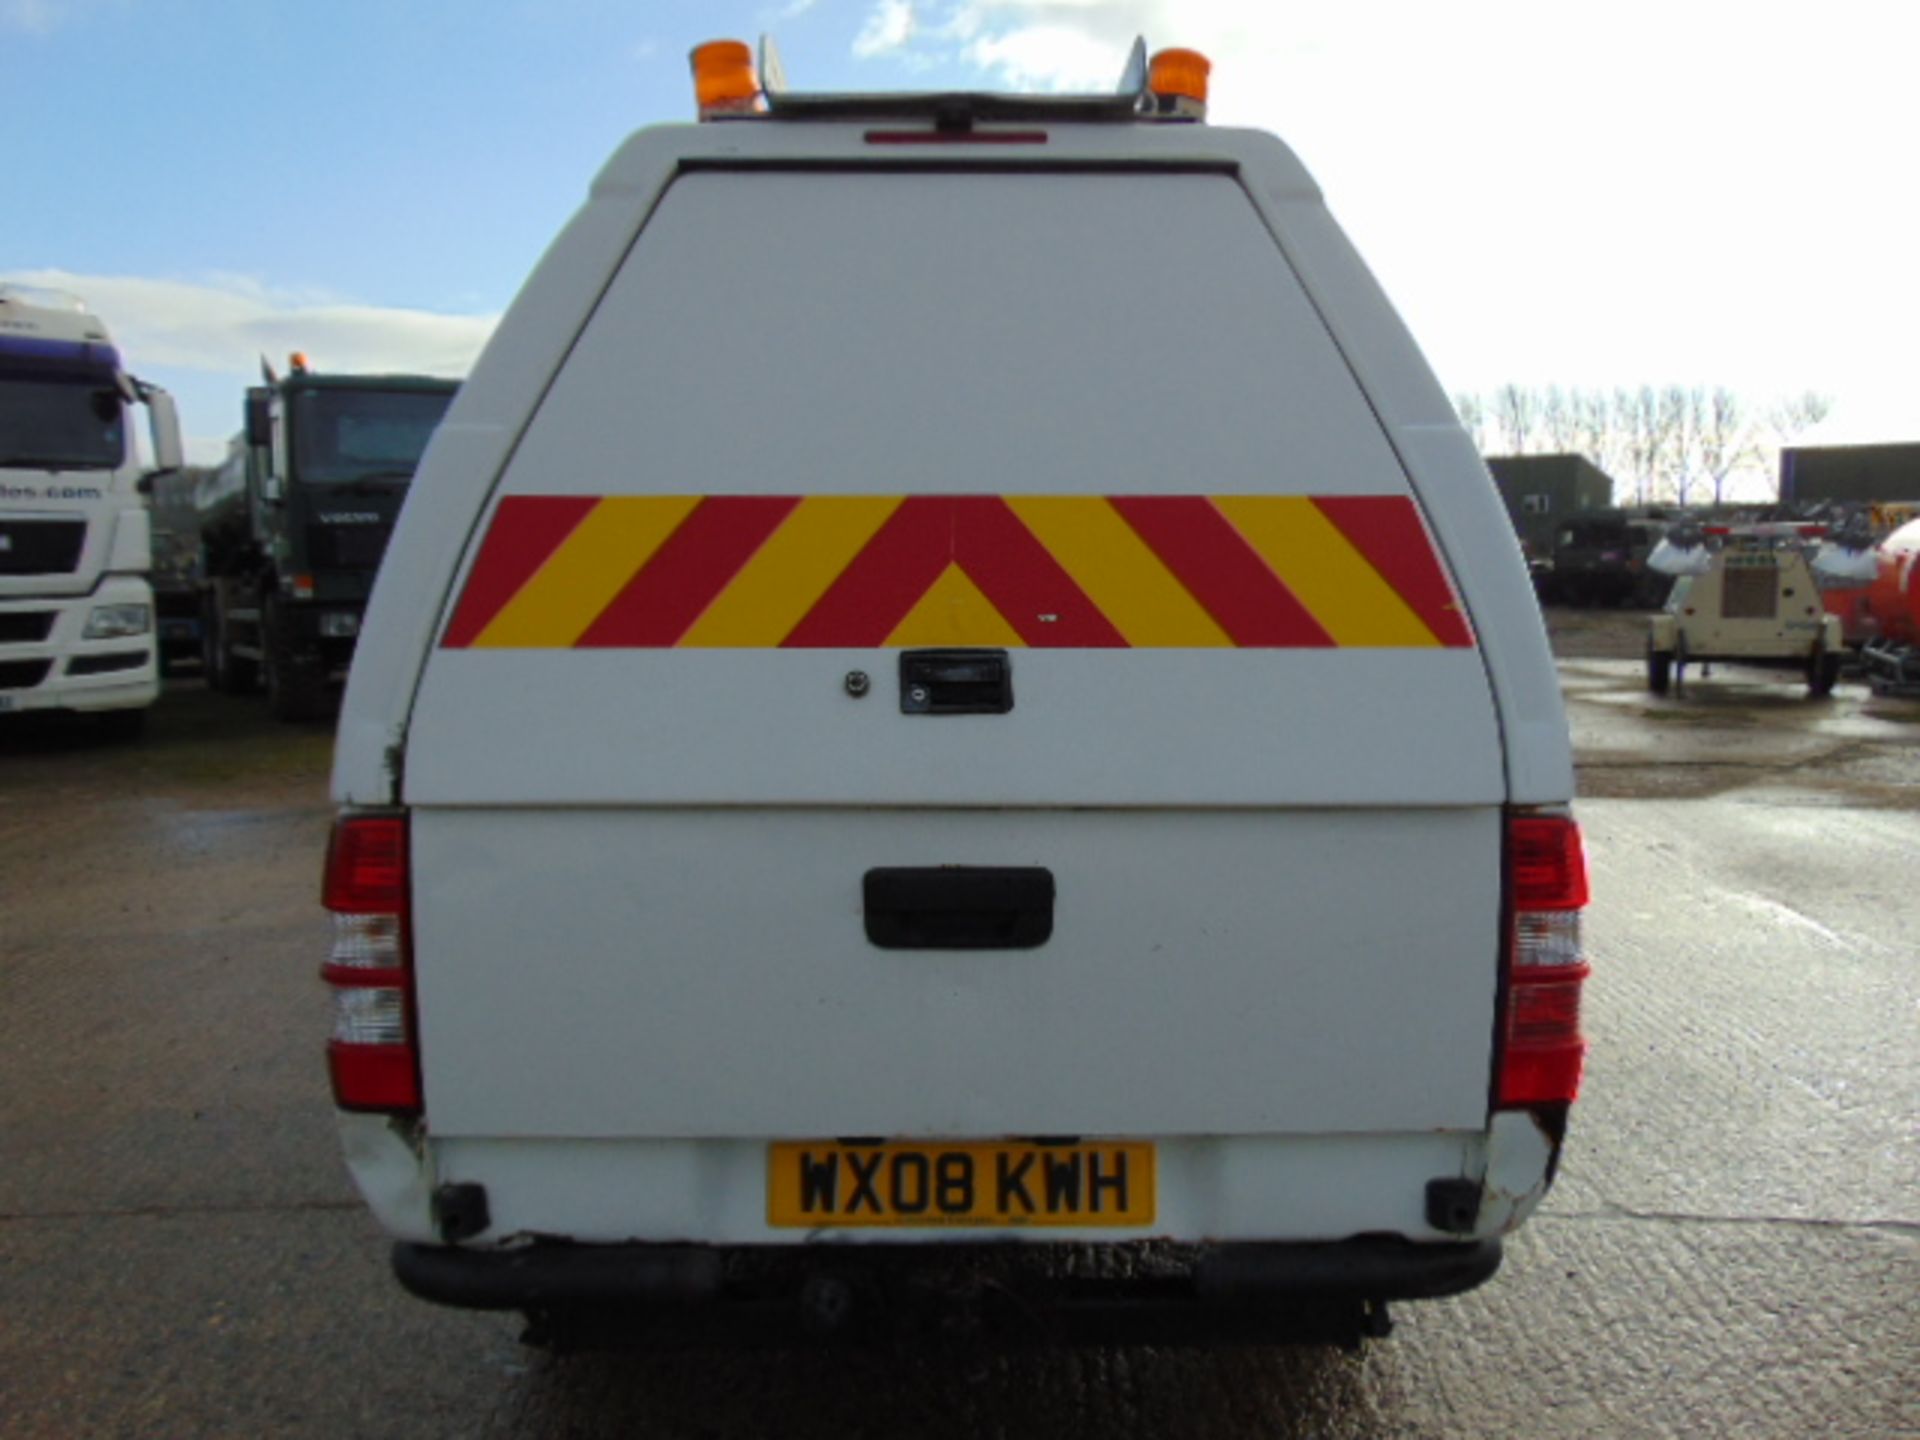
(293, 525)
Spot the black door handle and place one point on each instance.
(958, 907)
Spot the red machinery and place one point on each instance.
(1889, 614)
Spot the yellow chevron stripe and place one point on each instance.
(591, 567)
(954, 612)
(1332, 579)
(791, 571)
(1126, 581)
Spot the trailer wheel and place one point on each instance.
(1823, 672)
(296, 683)
(1659, 670)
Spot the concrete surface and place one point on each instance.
(1734, 1247)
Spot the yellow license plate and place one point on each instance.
(813, 1184)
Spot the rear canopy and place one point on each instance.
(1091, 418)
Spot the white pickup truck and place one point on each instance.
(952, 689)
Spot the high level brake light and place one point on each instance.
(1541, 1049)
(371, 1056)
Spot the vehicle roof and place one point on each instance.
(20, 315)
(1065, 145)
(315, 381)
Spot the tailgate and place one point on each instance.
(636, 973)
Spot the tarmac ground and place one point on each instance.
(1732, 1248)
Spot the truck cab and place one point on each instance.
(953, 686)
(293, 527)
(77, 629)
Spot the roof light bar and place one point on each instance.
(727, 86)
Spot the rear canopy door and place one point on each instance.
(823, 420)
(819, 417)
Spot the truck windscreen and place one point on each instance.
(64, 424)
(340, 436)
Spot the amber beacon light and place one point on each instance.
(723, 79)
(1177, 80)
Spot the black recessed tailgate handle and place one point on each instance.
(958, 907)
(955, 682)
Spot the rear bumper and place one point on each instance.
(1130, 1291)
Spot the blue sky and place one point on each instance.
(404, 152)
(1655, 190)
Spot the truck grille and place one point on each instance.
(106, 664)
(41, 547)
(23, 674)
(346, 547)
(25, 627)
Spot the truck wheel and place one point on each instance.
(1659, 670)
(296, 684)
(225, 671)
(212, 650)
(1823, 673)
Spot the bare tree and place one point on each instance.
(1788, 418)
(1792, 415)
(1674, 419)
(1665, 442)
(1637, 413)
(1596, 435)
(1516, 411)
(1558, 424)
(1724, 438)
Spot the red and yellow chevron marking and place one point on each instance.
(858, 571)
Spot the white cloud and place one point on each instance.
(203, 339)
(889, 27)
(224, 323)
(1047, 57)
(1643, 191)
(36, 17)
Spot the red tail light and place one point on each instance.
(1541, 1048)
(372, 1056)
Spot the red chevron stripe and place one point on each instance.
(1023, 580)
(1222, 571)
(885, 580)
(523, 534)
(1388, 530)
(696, 563)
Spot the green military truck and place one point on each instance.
(293, 525)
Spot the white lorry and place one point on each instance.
(952, 696)
(76, 606)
